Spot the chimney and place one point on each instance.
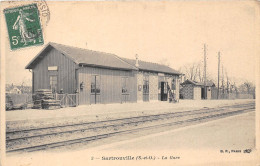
(136, 60)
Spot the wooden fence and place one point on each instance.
(233, 95)
(17, 99)
(67, 100)
(125, 97)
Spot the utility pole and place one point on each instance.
(227, 85)
(223, 91)
(205, 68)
(218, 72)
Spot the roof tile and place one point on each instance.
(95, 58)
(149, 66)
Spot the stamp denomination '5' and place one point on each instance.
(23, 26)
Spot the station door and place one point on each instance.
(95, 90)
(164, 94)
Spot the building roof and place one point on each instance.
(14, 90)
(149, 66)
(208, 83)
(84, 57)
(100, 59)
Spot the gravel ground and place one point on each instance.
(21, 119)
(100, 109)
(45, 139)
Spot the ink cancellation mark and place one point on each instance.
(23, 25)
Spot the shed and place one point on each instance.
(196, 90)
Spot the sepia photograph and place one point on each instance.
(129, 83)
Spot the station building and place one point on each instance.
(98, 77)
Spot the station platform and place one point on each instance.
(195, 145)
(101, 111)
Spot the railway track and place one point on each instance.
(58, 136)
(36, 132)
(14, 131)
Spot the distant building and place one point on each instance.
(14, 90)
(25, 89)
(18, 89)
(196, 90)
(101, 77)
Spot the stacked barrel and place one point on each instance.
(44, 99)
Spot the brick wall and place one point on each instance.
(153, 86)
(177, 84)
(188, 91)
(139, 83)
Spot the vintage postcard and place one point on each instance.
(129, 83)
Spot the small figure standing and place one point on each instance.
(24, 26)
(20, 23)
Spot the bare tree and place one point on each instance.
(194, 72)
(191, 71)
(249, 87)
(228, 83)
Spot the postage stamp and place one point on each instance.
(24, 27)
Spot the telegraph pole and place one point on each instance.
(205, 68)
(227, 85)
(218, 72)
(223, 91)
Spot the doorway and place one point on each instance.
(203, 93)
(54, 83)
(164, 93)
(95, 89)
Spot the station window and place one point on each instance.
(165, 90)
(146, 84)
(173, 84)
(95, 84)
(54, 83)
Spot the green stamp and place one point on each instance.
(23, 25)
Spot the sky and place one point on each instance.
(157, 31)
